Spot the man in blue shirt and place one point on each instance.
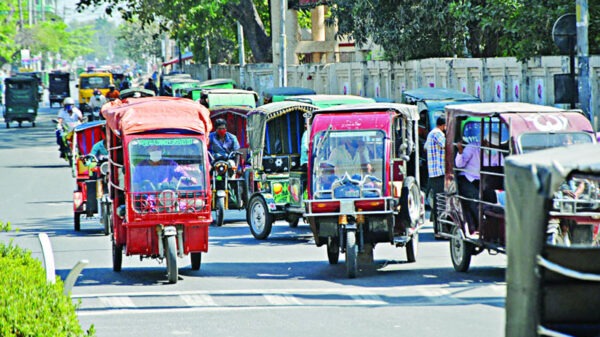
(435, 145)
(221, 142)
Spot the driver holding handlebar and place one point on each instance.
(221, 142)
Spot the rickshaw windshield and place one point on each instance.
(471, 129)
(95, 82)
(166, 163)
(355, 155)
(534, 141)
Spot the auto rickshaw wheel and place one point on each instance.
(8, 125)
(410, 200)
(351, 254)
(106, 218)
(412, 248)
(460, 251)
(259, 218)
(219, 211)
(20, 123)
(196, 260)
(77, 221)
(117, 252)
(32, 124)
(172, 271)
(333, 251)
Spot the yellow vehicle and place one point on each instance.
(90, 81)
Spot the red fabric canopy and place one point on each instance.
(137, 115)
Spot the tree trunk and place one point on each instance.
(254, 30)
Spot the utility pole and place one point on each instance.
(20, 15)
(583, 60)
(240, 33)
(282, 41)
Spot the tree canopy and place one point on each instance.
(413, 29)
(193, 22)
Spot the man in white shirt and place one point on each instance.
(68, 117)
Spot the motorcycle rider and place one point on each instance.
(96, 102)
(68, 117)
(220, 142)
(112, 93)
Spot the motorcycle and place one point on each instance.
(228, 184)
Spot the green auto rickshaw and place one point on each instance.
(21, 100)
(271, 95)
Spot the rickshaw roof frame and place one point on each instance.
(88, 125)
(530, 182)
(241, 111)
(494, 108)
(437, 94)
(287, 91)
(260, 116)
(326, 100)
(408, 111)
(147, 114)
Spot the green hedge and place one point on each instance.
(30, 306)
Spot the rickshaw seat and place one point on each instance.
(570, 305)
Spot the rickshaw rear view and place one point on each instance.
(21, 100)
(159, 184)
(553, 286)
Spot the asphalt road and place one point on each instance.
(280, 286)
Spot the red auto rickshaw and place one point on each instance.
(358, 200)
(159, 184)
(88, 191)
(471, 211)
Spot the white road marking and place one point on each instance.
(198, 300)
(368, 299)
(282, 299)
(118, 302)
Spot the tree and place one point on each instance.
(415, 29)
(137, 44)
(191, 22)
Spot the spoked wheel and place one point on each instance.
(351, 254)
(259, 218)
(460, 251)
(412, 248)
(220, 211)
(77, 221)
(172, 271)
(196, 260)
(333, 251)
(117, 252)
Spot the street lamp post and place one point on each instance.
(583, 60)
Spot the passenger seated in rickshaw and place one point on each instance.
(155, 172)
(351, 157)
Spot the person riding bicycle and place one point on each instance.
(68, 117)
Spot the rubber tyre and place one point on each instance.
(77, 221)
(106, 219)
(351, 254)
(412, 248)
(460, 251)
(333, 252)
(117, 252)
(410, 200)
(33, 124)
(196, 260)
(259, 219)
(8, 125)
(219, 211)
(171, 250)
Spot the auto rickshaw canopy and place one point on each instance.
(271, 95)
(259, 117)
(147, 114)
(436, 94)
(531, 180)
(326, 101)
(409, 112)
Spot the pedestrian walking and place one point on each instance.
(435, 145)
